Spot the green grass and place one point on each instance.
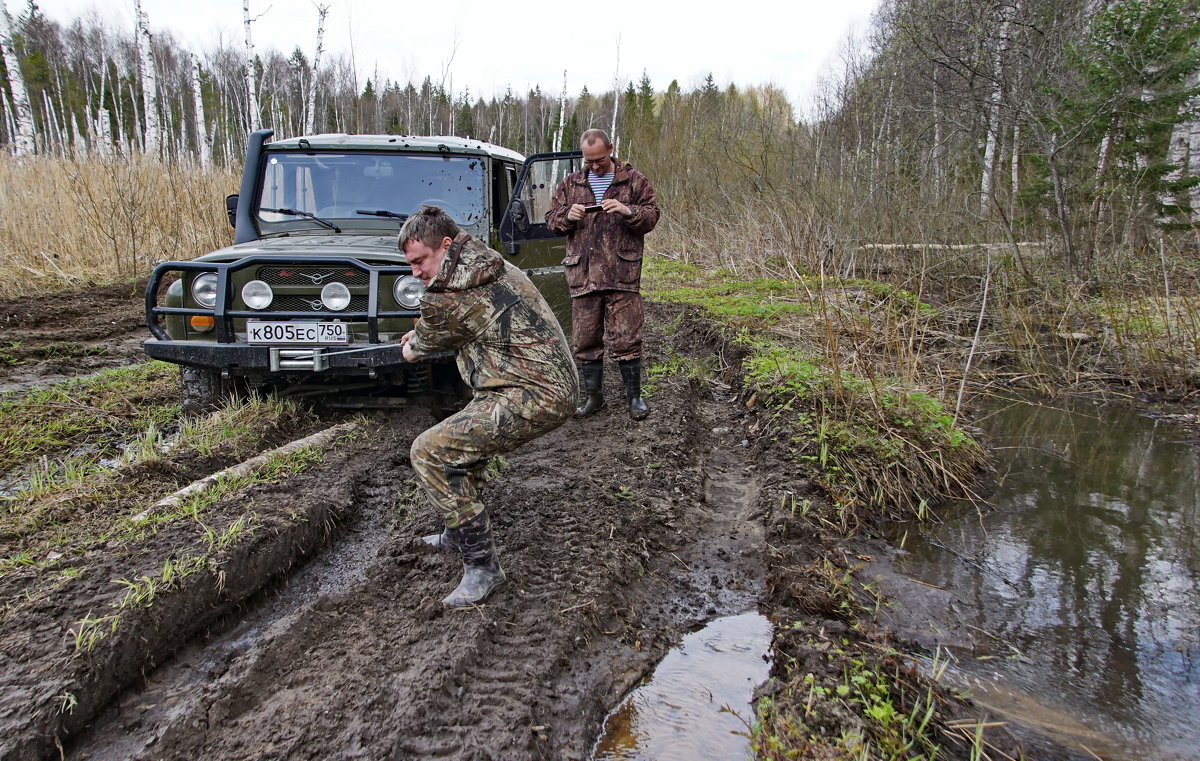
(99, 411)
(877, 444)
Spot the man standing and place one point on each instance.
(511, 351)
(605, 210)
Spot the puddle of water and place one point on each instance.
(676, 715)
(1085, 575)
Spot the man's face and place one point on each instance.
(425, 261)
(597, 157)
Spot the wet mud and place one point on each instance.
(323, 636)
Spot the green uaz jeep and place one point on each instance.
(313, 296)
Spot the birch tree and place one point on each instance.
(310, 101)
(251, 74)
(986, 190)
(203, 146)
(22, 114)
(149, 78)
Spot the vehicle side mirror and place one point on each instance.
(519, 214)
(231, 204)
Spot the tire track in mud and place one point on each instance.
(617, 537)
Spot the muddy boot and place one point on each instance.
(481, 567)
(593, 383)
(443, 541)
(631, 373)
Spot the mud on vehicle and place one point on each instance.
(314, 295)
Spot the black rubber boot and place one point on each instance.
(631, 373)
(593, 384)
(481, 567)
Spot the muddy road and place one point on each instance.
(307, 624)
(322, 636)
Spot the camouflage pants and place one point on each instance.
(450, 458)
(612, 317)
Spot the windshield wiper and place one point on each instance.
(307, 215)
(381, 213)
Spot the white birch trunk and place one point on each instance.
(135, 138)
(251, 74)
(612, 132)
(562, 116)
(310, 101)
(1016, 171)
(50, 127)
(149, 78)
(203, 147)
(23, 130)
(987, 181)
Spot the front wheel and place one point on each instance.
(204, 390)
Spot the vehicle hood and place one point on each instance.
(379, 248)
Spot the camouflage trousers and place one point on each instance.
(607, 317)
(450, 458)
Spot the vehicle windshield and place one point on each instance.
(337, 185)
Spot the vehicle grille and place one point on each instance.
(313, 304)
(310, 276)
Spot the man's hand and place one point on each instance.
(408, 353)
(576, 212)
(613, 206)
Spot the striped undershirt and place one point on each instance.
(600, 183)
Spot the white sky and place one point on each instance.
(488, 46)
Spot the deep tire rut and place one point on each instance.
(618, 538)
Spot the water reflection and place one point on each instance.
(677, 715)
(1088, 569)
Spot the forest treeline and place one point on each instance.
(1072, 123)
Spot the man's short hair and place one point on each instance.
(592, 135)
(429, 226)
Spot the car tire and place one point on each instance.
(204, 390)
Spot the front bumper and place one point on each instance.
(240, 359)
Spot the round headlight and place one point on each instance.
(257, 294)
(335, 296)
(204, 289)
(408, 291)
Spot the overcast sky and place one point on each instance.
(488, 46)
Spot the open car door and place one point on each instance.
(529, 241)
(525, 219)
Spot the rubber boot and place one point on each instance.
(481, 567)
(631, 373)
(593, 384)
(443, 541)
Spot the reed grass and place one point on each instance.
(72, 222)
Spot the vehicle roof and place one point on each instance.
(431, 143)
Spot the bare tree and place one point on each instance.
(203, 142)
(149, 78)
(252, 106)
(23, 127)
(311, 95)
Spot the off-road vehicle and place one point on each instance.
(313, 296)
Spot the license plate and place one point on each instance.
(297, 332)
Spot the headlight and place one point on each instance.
(408, 291)
(204, 289)
(335, 296)
(257, 294)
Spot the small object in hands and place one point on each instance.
(593, 208)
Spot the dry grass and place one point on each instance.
(1002, 313)
(73, 222)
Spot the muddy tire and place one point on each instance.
(204, 390)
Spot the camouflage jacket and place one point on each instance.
(508, 341)
(604, 251)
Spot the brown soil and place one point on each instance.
(323, 636)
(49, 337)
